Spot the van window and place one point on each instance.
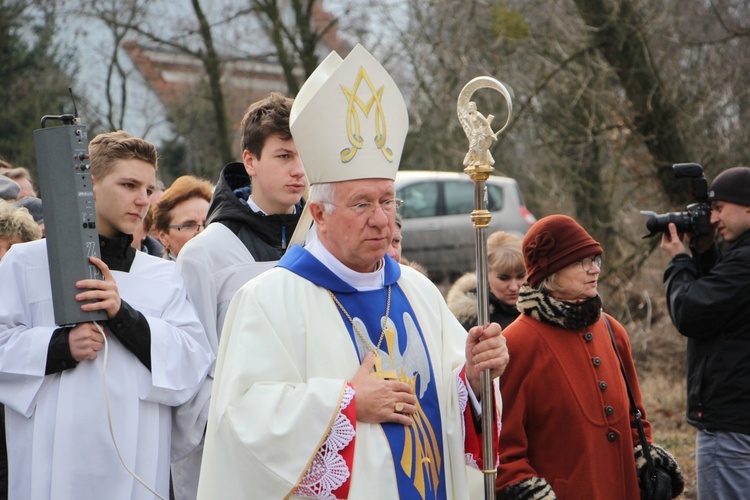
(420, 200)
(459, 198)
(495, 199)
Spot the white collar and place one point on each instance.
(255, 208)
(361, 281)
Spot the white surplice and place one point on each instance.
(214, 267)
(59, 443)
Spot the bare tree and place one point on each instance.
(296, 29)
(618, 33)
(117, 16)
(608, 95)
(197, 42)
(219, 36)
(33, 79)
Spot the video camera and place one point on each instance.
(697, 216)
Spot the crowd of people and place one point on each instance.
(262, 344)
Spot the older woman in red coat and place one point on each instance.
(568, 430)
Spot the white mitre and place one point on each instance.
(348, 121)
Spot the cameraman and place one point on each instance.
(708, 295)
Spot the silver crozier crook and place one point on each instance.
(478, 162)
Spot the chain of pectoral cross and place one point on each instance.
(378, 372)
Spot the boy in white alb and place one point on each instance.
(51, 378)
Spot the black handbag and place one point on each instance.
(656, 483)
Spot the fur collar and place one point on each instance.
(462, 301)
(538, 304)
(462, 298)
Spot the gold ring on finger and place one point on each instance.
(399, 407)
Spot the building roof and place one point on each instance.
(173, 75)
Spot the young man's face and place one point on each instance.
(122, 197)
(277, 176)
(730, 219)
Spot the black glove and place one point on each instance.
(668, 482)
(536, 488)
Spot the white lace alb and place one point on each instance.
(328, 470)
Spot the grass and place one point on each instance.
(660, 361)
(664, 398)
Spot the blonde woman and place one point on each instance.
(506, 275)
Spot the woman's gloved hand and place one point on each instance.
(669, 482)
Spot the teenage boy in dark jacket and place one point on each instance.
(253, 214)
(708, 295)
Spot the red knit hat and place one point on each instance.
(552, 243)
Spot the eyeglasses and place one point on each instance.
(390, 207)
(590, 261)
(189, 226)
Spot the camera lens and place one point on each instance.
(659, 223)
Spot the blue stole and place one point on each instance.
(417, 450)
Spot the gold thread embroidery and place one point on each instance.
(378, 371)
(352, 117)
(421, 458)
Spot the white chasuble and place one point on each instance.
(285, 358)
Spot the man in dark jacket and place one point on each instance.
(708, 295)
(253, 214)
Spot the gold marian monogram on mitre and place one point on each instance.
(387, 333)
(354, 101)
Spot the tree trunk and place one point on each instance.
(616, 34)
(212, 63)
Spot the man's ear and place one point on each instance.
(317, 210)
(163, 238)
(249, 160)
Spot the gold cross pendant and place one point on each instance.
(378, 372)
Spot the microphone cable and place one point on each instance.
(109, 416)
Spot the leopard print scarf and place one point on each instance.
(574, 316)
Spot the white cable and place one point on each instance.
(109, 416)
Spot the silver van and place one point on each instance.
(437, 231)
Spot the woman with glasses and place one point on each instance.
(568, 430)
(180, 214)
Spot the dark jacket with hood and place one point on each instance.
(265, 236)
(709, 302)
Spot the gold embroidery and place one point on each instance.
(378, 371)
(352, 117)
(421, 456)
